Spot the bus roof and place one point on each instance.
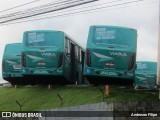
(43, 31)
(73, 41)
(111, 26)
(12, 45)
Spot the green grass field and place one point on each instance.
(40, 98)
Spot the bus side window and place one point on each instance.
(80, 55)
(76, 52)
(67, 47)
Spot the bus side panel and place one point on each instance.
(67, 67)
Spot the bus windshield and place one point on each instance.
(114, 37)
(13, 49)
(42, 39)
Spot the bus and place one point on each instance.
(110, 55)
(11, 63)
(50, 56)
(146, 75)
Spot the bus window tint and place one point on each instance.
(114, 37)
(80, 55)
(12, 50)
(146, 67)
(67, 46)
(41, 39)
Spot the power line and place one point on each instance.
(90, 6)
(32, 10)
(61, 8)
(57, 10)
(42, 7)
(97, 4)
(79, 12)
(91, 11)
(94, 5)
(19, 6)
(57, 15)
(65, 4)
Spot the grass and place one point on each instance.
(37, 97)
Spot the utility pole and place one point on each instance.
(158, 62)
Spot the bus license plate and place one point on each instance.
(40, 71)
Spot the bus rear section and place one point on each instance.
(110, 55)
(42, 56)
(11, 64)
(146, 75)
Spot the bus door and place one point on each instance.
(82, 60)
(73, 69)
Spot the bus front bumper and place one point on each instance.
(40, 71)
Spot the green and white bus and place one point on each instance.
(110, 55)
(50, 56)
(11, 64)
(146, 75)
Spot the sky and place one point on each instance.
(143, 16)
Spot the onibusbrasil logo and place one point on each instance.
(21, 114)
